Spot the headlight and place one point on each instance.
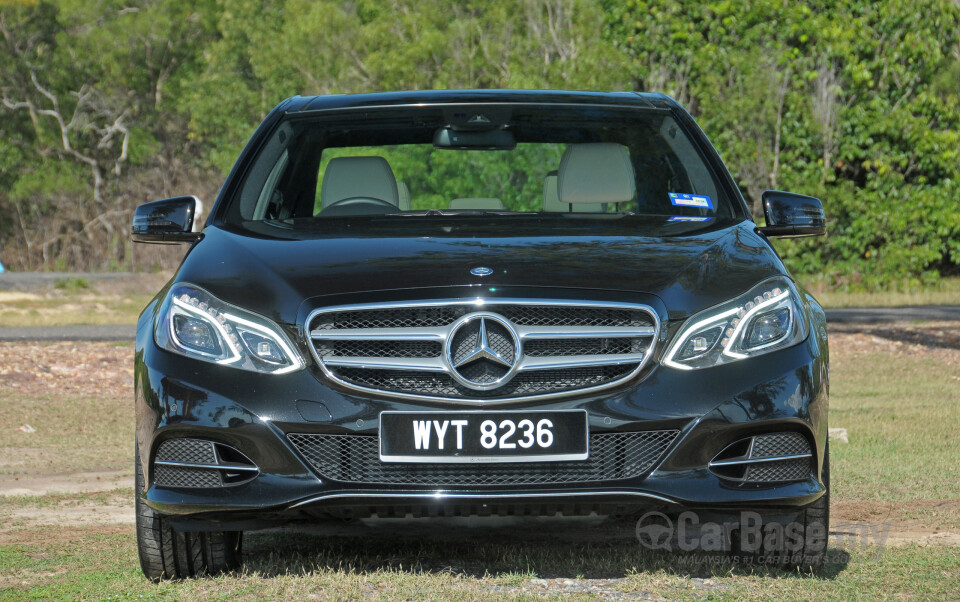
(196, 324)
(765, 319)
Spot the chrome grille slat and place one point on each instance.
(574, 346)
(382, 334)
(577, 361)
(582, 332)
(422, 364)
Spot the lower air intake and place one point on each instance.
(199, 464)
(356, 459)
(186, 478)
(765, 459)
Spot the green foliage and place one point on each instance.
(434, 176)
(853, 101)
(267, 51)
(72, 284)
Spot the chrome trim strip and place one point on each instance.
(736, 462)
(441, 495)
(480, 304)
(383, 334)
(554, 362)
(440, 334)
(421, 364)
(582, 332)
(234, 467)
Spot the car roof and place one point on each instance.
(304, 104)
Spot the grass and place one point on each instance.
(72, 433)
(118, 496)
(66, 307)
(900, 411)
(945, 292)
(76, 300)
(72, 283)
(97, 563)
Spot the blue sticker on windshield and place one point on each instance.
(682, 199)
(688, 218)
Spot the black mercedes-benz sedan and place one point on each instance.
(494, 302)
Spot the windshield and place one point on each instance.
(579, 162)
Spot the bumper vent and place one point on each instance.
(770, 458)
(200, 464)
(423, 349)
(356, 459)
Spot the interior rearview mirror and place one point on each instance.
(790, 215)
(169, 221)
(474, 140)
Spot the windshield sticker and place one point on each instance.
(682, 199)
(688, 218)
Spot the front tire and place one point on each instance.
(169, 554)
(813, 523)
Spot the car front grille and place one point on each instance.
(541, 347)
(356, 459)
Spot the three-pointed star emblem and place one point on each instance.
(482, 350)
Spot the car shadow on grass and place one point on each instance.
(541, 548)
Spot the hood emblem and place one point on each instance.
(482, 351)
(481, 271)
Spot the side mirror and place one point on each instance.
(169, 221)
(792, 215)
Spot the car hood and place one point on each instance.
(688, 266)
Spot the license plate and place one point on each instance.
(520, 436)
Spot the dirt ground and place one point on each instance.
(104, 370)
(928, 339)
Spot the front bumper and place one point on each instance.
(711, 408)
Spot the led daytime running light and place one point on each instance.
(746, 319)
(226, 324)
(189, 308)
(736, 318)
(290, 353)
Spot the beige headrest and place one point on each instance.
(403, 194)
(596, 173)
(551, 201)
(349, 177)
